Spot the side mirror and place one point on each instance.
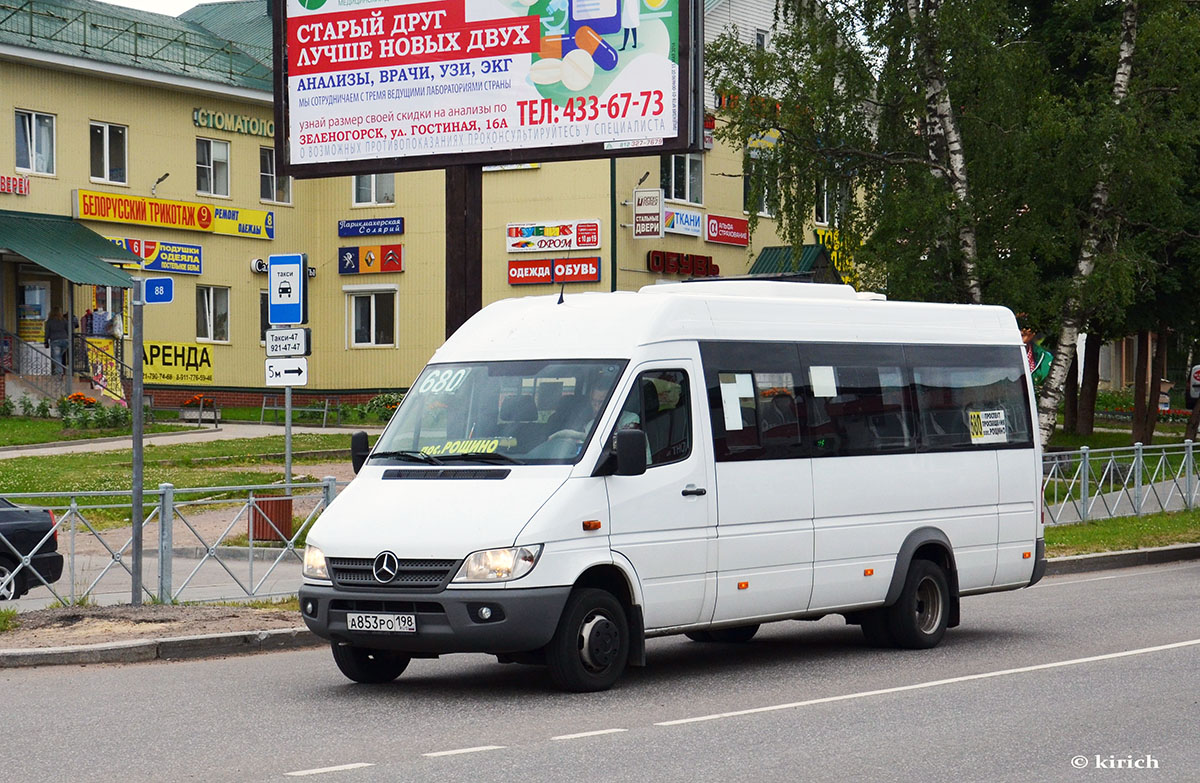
(631, 452)
(359, 449)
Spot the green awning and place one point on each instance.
(66, 248)
(780, 260)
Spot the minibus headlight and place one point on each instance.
(314, 563)
(498, 565)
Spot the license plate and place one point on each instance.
(381, 623)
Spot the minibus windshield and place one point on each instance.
(539, 412)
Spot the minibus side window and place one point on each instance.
(860, 400)
(659, 404)
(755, 399)
(972, 398)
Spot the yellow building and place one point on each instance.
(156, 133)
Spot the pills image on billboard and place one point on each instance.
(548, 71)
(601, 50)
(578, 68)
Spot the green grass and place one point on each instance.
(1181, 527)
(1113, 440)
(8, 618)
(177, 464)
(289, 604)
(22, 431)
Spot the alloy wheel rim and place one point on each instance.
(929, 606)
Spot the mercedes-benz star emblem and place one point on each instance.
(385, 568)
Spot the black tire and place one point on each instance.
(737, 635)
(875, 628)
(16, 587)
(591, 644)
(699, 636)
(917, 621)
(369, 666)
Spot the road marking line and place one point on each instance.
(582, 734)
(463, 750)
(1040, 585)
(323, 770)
(931, 684)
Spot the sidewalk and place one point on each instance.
(227, 431)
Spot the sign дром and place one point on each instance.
(412, 78)
(183, 215)
(554, 270)
(564, 235)
(647, 213)
(727, 230)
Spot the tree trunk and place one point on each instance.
(1141, 371)
(1090, 384)
(1157, 373)
(1072, 315)
(943, 137)
(1071, 399)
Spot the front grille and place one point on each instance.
(428, 575)
(409, 607)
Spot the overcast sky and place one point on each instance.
(168, 7)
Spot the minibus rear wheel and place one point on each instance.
(369, 666)
(591, 644)
(917, 621)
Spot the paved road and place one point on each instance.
(1105, 666)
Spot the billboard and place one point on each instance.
(395, 85)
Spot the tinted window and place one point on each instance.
(860, 402)
(659, 405)
(971, 399)
(755, 398)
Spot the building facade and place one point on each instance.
(158, 136)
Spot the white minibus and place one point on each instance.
(570, 476)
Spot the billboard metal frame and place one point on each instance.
(690, 111)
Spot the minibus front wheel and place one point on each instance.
(591, 644)
(369, 666)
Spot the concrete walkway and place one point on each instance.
(227, 431)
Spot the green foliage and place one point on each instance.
(8, 620)
(1123, 533)
(28, 406)
(6, 407)
(380, 407)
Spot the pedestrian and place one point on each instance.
(1038, 358)
(58, 339)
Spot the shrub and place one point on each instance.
(43, 408)
(6, 407)
(27, 405)
(381, 406)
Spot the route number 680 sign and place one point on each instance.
(442, 381)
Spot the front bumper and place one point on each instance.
(447, 621)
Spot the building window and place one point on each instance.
(35, 142)
(760, 39)
(374, 318)
(372, 189)
(212, 313)
(264, 315)
(821, 208)
(683, 177)
(212, 167)
(272, 187)
(108, 153)
(760, 205)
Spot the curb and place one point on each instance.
(1103, 561)
(167, 649)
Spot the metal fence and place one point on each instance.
(210, 543)
(1093, 484)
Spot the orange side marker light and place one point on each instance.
(868, 572)
(591, 524)
(743, 585)
(1026, 555)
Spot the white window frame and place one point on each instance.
(374, 202)
(31, 141)
(212, 168)
(762, 209)
(821, 203)
(274, 178)
(696, 199)
(210, 303)
(761, 39)
(353, 291)
(107, 162)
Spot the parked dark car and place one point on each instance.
(21, 529)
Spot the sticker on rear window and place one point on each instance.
(988, 427)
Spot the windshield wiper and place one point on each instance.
(483, 456)
(414, 456)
